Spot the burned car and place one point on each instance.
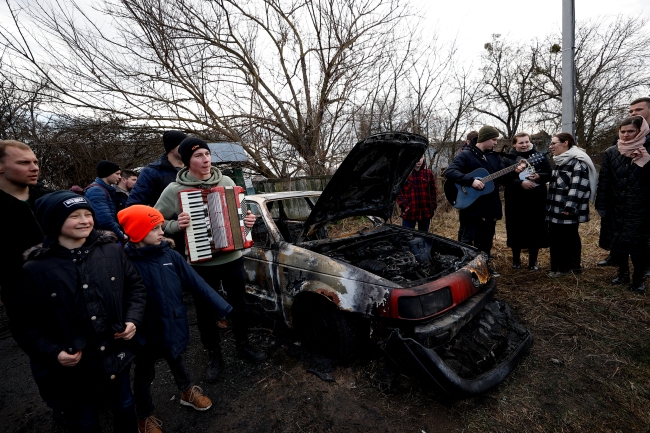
(427, 300)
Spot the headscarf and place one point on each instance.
(580, 155)
(635, 148)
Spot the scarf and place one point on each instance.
(635, 148)
(580, 155)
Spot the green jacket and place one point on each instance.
(170, 206)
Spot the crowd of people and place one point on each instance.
(91, 283)
(544, 206)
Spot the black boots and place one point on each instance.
(621, 278)
(607, 261)
(248, 352)
(638, 287)
(215, 364)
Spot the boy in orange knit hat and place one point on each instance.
(165, 329)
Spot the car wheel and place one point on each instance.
(330, 331)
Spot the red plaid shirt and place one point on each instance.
(417, 200)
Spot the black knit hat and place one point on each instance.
(171, 139)
(53, 209)
(487, 132)
(106, 168)
(189, 146)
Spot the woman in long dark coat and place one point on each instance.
(623, 201)
(525, 204)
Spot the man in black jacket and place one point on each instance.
(19, 189)
(155, 177)
(478, 221)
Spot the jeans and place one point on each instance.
(232, 278)
(565, 247)
(423, 225)
(145, 373)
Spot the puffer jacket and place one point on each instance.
(74, 300)
(153, 179)
(21, 232)
(102, 198)
(170, 206)
(623, 195)
(486, 206)
(166, 330)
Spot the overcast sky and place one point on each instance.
(472, 22)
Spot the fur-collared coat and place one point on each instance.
(74, 300)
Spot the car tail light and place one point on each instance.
(434, 298)
(416, 307)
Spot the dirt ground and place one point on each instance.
(588, 370)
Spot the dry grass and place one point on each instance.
(589, 367)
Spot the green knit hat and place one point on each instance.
(487, 132)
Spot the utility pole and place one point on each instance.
(568, 67)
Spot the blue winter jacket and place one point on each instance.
(153, 179)
(165, 328)
(102, 198)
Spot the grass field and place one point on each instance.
(589, 366)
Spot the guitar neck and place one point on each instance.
(499, 173)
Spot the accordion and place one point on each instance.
(216, 221)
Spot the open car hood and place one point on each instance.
(368, 180)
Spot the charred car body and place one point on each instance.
(427, 299)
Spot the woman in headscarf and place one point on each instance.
(623, 201)
(572, 185)
(525, 204)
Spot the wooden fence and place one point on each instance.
(310, 183)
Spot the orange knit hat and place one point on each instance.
(138, 220)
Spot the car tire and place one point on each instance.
(326, 329)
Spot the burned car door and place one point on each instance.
(261, 266)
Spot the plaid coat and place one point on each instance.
(568, 191)
(417, 201)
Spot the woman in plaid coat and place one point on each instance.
(572, 185)
(417, 201)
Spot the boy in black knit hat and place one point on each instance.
(79, 307)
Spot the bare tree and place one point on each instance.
(282, 72)
(509, 75)
(612, 69)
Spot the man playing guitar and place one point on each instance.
(478, 221)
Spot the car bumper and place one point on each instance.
(417, 358)
(442, 329)
(434, 374)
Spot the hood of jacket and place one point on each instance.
(185, 178)
(514, 153)
(163, 164)
(109, 188)
(135, 253)
(96, 237)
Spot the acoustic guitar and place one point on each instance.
(462, 197)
